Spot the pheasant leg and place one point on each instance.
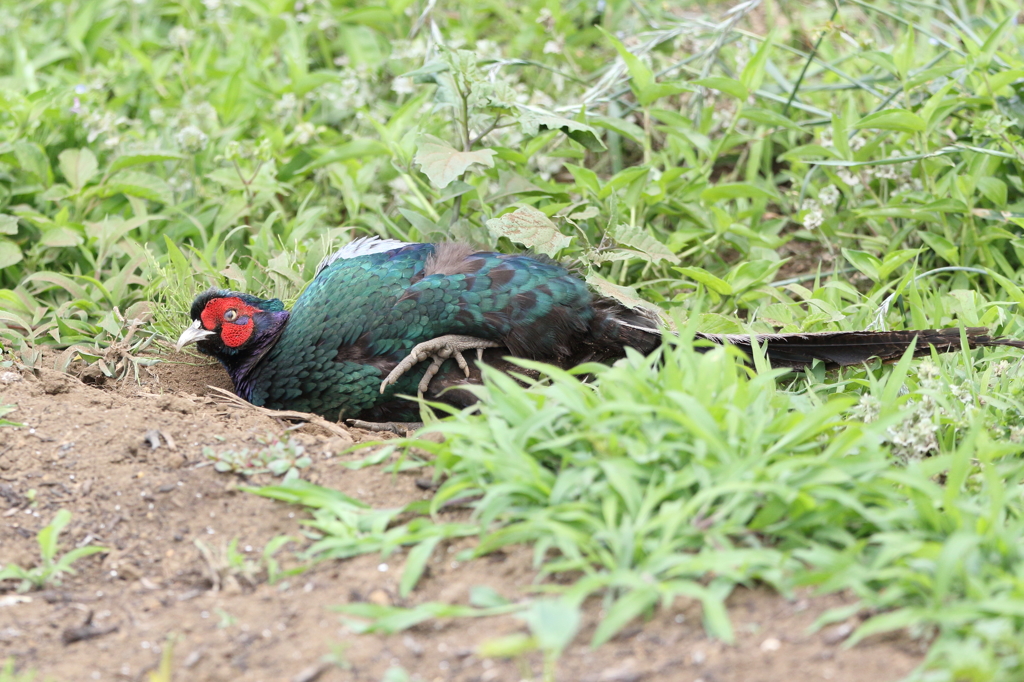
(438, 350)
(400, 428)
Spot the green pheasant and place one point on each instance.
(377, 311)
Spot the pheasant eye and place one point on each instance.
(231, 315)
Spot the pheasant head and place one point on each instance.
(237, 329)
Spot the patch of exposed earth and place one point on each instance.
(85, 448)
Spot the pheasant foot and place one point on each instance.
(439, 350)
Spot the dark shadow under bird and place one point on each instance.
(377, 311)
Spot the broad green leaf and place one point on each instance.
(422, 223)
(554, 623)
(443, 163)
(585, 178)
(892, 119)
(753, 73)
(531, 228)
(753, 273)
(627, 129)
(78, 166)
(719, 286)
(727, 85)
(534, 119)
(32, 158)
(656, 91)
(773, 118)
(141, 158)
(988, 50)
(895, 259)
(627, 296)
(639, 239)
(60, 236)
(903, 54)
(10, 253)
(946, 249)
(136, 184)
(883, 60)
(641, 76)
(994, 190)
(998, 81)
(510, 184)
(8, 224)
(865, 262)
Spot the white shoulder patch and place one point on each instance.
(363, 246)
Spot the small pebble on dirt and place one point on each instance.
(837, 633)
(53, 386)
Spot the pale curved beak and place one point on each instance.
(192, 334)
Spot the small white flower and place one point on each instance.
(302, 18)
(868, 408)
(554, 46)
(857, 143)
(828, 195)
(212, 5)
(405, 49)
(927, 370)
(403, 85)
(286, 106)
(964, 395)
(813, 219)
(886, 172)
(180, 37)
(847, 177)
(304, 132)
(191, 139)
(488, 49)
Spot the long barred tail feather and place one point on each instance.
(841, 349)
(616, 326)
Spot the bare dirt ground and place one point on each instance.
(83, 448)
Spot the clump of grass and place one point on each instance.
(280, 456)
(51, 567)
(660, 472)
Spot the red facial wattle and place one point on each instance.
(233, 332)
